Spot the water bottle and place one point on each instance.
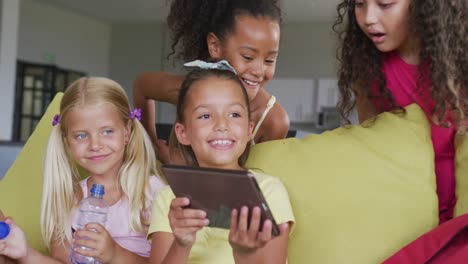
(4, 230)
(92, 209)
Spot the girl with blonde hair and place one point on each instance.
(97, 131)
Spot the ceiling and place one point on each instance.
(145, 11)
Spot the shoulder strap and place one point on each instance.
(270, 104)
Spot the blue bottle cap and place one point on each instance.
(97, 189)
(4, 230)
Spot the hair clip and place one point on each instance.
(56, 120)
(135, 113)
(220, 65)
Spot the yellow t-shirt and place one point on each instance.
(212, 245)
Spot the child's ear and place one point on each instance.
(251, 127)
(128, 130)
(181, 134)
(214, 45)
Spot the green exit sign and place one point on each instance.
(49, 58)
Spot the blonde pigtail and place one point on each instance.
(58, 191)
(139, 160)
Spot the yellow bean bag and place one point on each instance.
(21, 188)
(358, 194)
(461, 174)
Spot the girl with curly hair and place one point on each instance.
(246, 33)
(398, 52)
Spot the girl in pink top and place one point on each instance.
(397, 52)
(96, 130)
(118, 223)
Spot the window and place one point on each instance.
(36, 86)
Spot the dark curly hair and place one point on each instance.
(190, 21)
(441, 26)
(193, 77)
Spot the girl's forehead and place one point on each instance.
(92, 114)
(245, 18)
(93, 106)
(213, 84)
(215, 89)
(255, 28)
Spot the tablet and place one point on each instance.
(217, 192)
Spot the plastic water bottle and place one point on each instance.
(93, 209)
(4, 230)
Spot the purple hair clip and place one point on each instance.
(56, 120)
(135, 113)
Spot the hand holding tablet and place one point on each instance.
(218, 192)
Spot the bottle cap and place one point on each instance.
(97, 189)
(4, 230)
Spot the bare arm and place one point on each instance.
(59, 255)
(164, 249)
(155, 86)
(123, 256)
(174, 248)
(15, 248)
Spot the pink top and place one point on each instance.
(402, 80)
(118, 221)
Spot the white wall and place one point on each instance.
(307, 54)
(77, 42)
(122, 51)
(307, 50)
(9, 17)
(136, 48)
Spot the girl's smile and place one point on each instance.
(221, 143)
(99, 157)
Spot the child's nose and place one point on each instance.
(221, 125)
(258, 68)
(371, 15)
(96, 143)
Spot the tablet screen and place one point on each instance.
(217, 192)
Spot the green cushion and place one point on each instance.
(461, 174)
(21, 188)
(359, 194)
